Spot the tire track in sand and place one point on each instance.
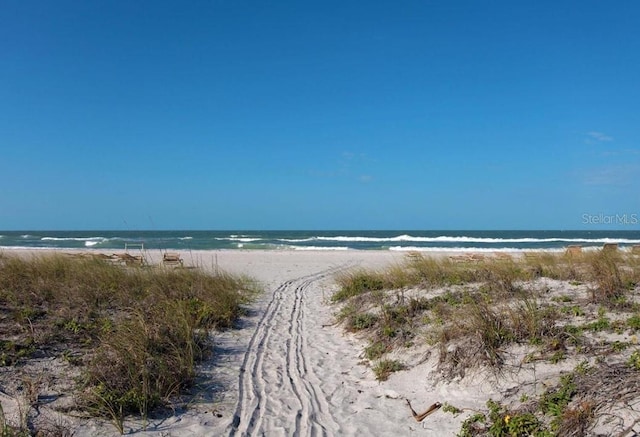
(278, 388)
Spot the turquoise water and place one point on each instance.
(319, 240)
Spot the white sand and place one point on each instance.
(290, 371)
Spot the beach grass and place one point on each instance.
(473, 309)
(136, 333)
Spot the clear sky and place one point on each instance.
(237, 114)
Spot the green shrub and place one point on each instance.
(384, 368)
(361, 321)
(603, 323)
(356, 283)
(633, 322)
(375, 350)
(554, 401)
(634, 360)
(503, 423)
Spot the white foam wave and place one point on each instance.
(464, 239)
(237, 238)
(26, 248)
(469, 249)
(318, 248)
(88, 241)
(185, 238)
(298, 240)
(74, 239)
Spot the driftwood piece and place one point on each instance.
(421, 416)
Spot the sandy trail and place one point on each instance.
(292, 377)
(279, 388)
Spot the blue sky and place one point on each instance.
(318, 115)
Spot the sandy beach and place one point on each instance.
(290, 370)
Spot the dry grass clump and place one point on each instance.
(612, 273)
(479, 331)
(607, 277)
(556, 266)
(437, 271)
(384, 368)
(358, 282)
(141, 330)
(500, 274)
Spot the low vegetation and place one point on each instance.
(580, 399)
(472, 312)
(135, 335)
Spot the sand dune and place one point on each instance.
(290, 370)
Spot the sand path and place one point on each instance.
(279, 388)
(294, 377)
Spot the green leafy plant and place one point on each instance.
(634, 360)
(375, 350)
(633, 322)
(554, 402)
(472, 425)
(384, 368)
(448, 408)
(362, 321)
(503, 423)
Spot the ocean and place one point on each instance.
(428, 241)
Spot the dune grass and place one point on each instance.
(137, 333)
(472, 310)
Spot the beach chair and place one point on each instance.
(114, 258)
(413, 255)
(459, 258)
(172, 259)
(573, 250)
(131, 260)
(476, 257)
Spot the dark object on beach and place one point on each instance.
(171, 259)
(420, 417)
(574, 250)
(122, 259)
(610, 247)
